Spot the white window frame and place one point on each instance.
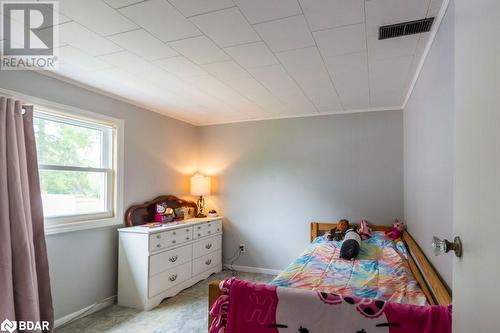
(114, 215)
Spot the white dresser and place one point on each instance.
(156, 263)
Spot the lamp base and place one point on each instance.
(201, 207)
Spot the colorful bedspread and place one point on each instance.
(247, 307)
(381, 271)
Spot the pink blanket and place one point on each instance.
(247, 307)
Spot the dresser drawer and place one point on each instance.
(206, 262)
(199, 231)
(206, 246)
(167, 260)
(207, 229)
(170, 238)
(214, 227)
(169, 279)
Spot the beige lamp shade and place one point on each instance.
(200, 184)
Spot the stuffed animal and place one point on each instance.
(364, 230)
(339, 231)
(163, 214)
(397, 230)
(351, 244)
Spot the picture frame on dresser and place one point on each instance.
(155, 263)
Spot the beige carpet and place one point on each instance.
(186, 312)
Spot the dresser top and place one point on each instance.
(169, 226)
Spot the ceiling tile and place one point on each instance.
(307, 68)
(286, 34)
(252, 55)
(388, 79)
(80, 37)
(226, 27)
(343, 40)
(383, 12)
(196, 7)
(96, 15)
(143, 44)
(256, 92)
(181, 67)
(121, 3)
(129, 62)
(325, 14)
(161, 19)
(392, 47)
(200, 50)
(434, 8)
(227, 70)
(276, 79)
(266, 10)
(73, 56)
(350, 76)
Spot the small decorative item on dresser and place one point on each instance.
(163, 214)
(212, 213)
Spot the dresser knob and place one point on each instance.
(209, 231)
(218, 229)
(187, 230)
(208, 262)
(199, 227)
(173, 258)
(158, 236)
(208, 246)
(199, 235)
(158, 245)
(173, 277)
(173, 233)
(173, 242)
(187, 238)
(209, 225)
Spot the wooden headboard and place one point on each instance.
(431, 283)
(144, 213)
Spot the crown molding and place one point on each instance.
(307, 115)
(432, 37)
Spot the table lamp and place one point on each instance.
(200, 186)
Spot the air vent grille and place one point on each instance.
(405, 28)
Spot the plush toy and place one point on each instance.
(163, 214)
(351, 244)
(364, 230)
(397, 230)
(339, 231)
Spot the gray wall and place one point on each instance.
(158, 158)
(428, 158)
(274, 177)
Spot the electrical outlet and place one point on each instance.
(243, 248)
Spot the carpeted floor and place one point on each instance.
(186, 312)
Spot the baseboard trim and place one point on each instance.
(249, 269)
(85, 311)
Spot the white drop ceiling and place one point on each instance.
(216, 61)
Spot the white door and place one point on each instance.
(476, 277)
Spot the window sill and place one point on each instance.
(60, 228)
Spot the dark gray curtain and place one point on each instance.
(24, 271)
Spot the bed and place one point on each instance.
(397, 272)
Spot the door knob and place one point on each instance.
(440, 246)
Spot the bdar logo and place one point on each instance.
(8, 326)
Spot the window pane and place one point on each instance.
(64, 144)
(72, 192)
